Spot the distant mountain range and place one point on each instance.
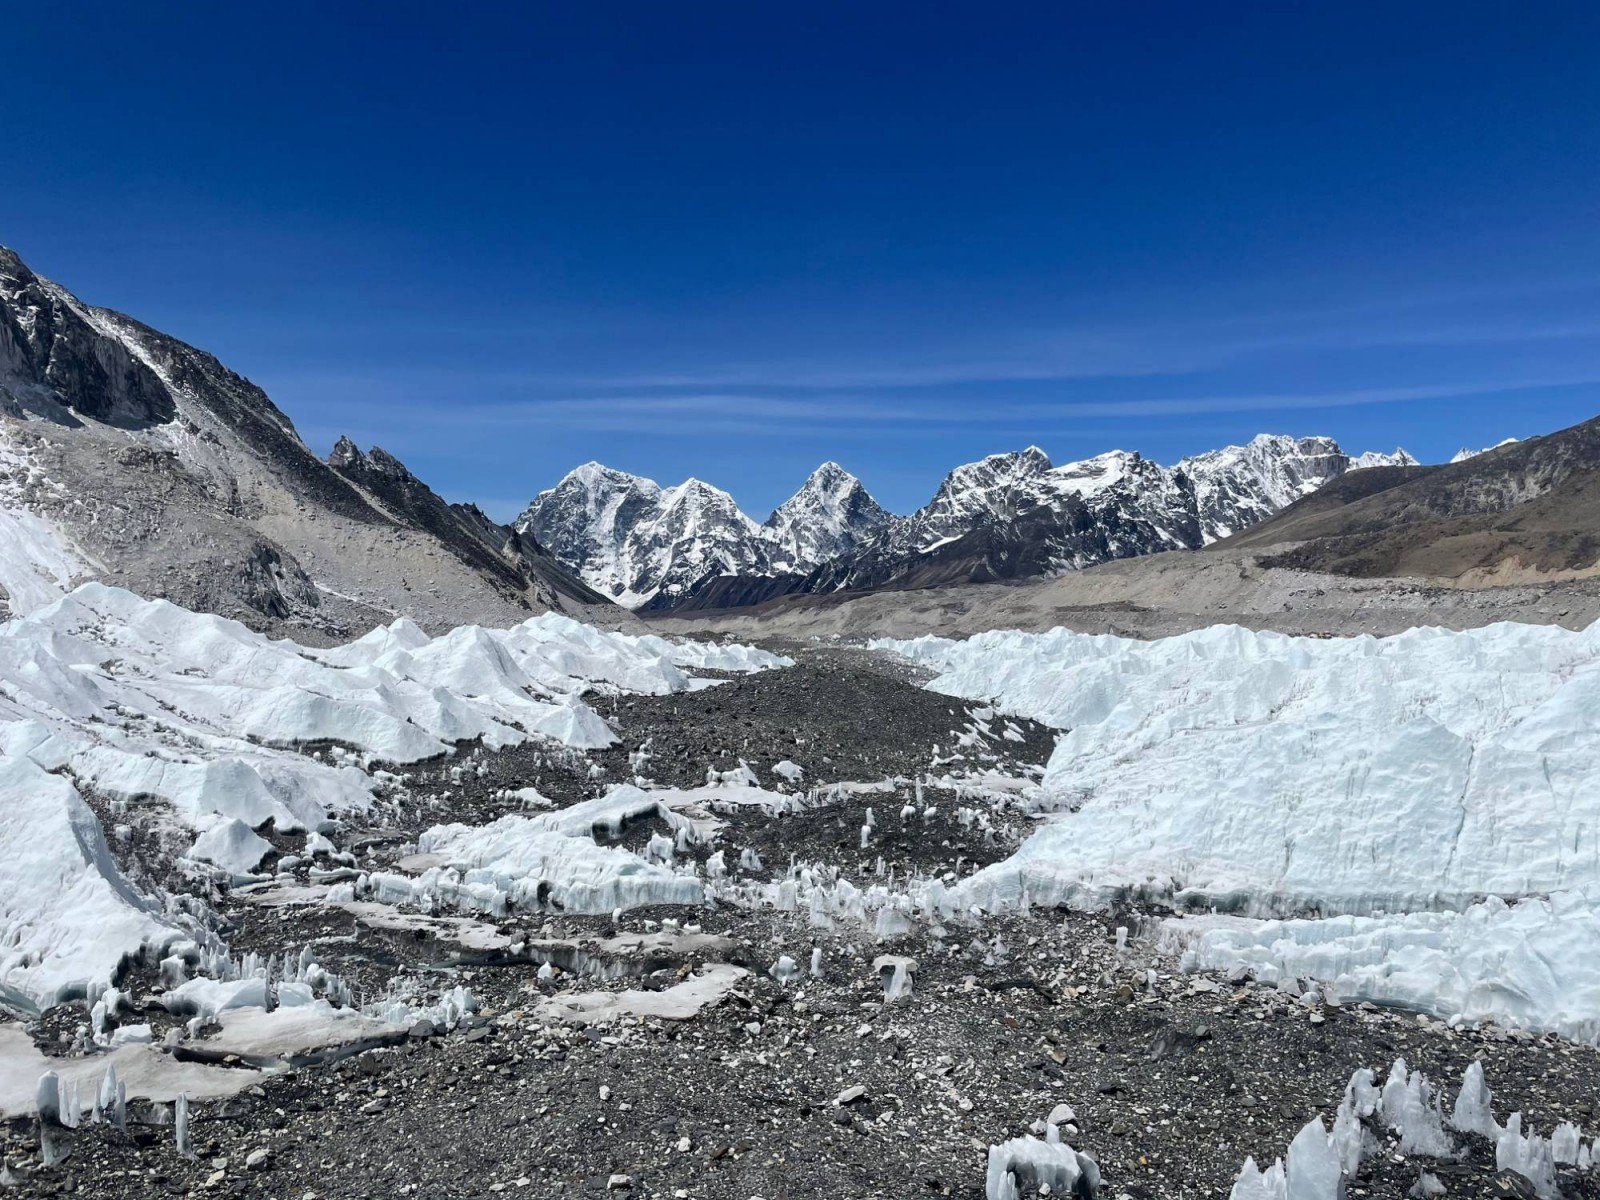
(1013, 515)
(129, 456)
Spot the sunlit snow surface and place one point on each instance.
(104, 694)
(1271, 776)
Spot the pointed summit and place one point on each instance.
(346, 454)
(830, 515)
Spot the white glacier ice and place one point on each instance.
(1024, 1165)
(1474, 1107)
(1255, 1184)
(197, 720)
(1319, 1164)
(1411, 1108)
(1429, 796)
(1529, 1156)
(1273, 773)
(1313, 1168)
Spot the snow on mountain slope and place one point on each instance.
(38, 561)
(830, 515)
(1007, 515)
(633, 540)
(1237, 486)
(141, 702)
(643, 544)
(1277, 776)
(1467, 452)
(1377, 458)
(1015, 515)
(974, 494)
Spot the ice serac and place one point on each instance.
(125, 453)
(202, 722)
(1418, 809)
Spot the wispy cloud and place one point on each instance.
(856, 416)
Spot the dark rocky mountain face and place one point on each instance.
(1518, 512)
(515, 561)
(130, 456)
(51, 350)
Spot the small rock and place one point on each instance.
(850, 1095)
(619, 1183)
(258, 1160)
(422, 1030)
(1511, 1184)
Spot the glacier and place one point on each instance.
(197, 721)
(1415, 817)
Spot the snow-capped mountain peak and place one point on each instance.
(831, 514)
(1005, 515)
(1237, 486)
(1466, 452)
(1377, 458)
(1093, 475)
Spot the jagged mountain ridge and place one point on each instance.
(648, 546)
(128, 455)
(1006, 516)
(1518, 512)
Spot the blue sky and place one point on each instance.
(735, 240)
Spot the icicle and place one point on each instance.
(816, 962)
(1426, 1187)
(784, 970)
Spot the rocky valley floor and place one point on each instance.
(745, 1045)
